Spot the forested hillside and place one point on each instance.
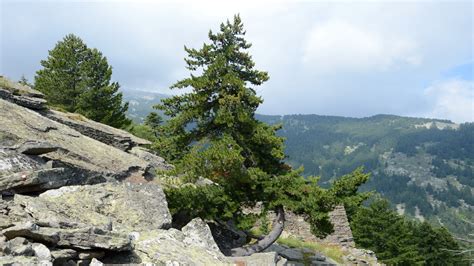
(423, 166)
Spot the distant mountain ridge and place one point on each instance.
(423, 166)
(140, 103)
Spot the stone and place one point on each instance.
(87, 160)
(292, 254)
(95, 262)
(275, 248)
(193, 245)
(82, 238)
(37, 180)
(41, 251)
(156, 162)
(317, 257)
(63, 255)
(36, 148)
(22, 260)
(117, 138)
(18, 246)
(125, 207)
(257, 259)
(91, 254)
(197, 233)
(25, 100)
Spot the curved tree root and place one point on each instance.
(268, 240)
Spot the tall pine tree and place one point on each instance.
(212, 132)
(78, 79)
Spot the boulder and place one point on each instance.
(81, 238)
(293, 254)
(41, 251)
(174, 247)
(125, 207)
(18, 246)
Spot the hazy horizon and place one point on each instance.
(327, 58)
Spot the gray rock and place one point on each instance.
(317, 257)
(36, 148)
(106, 134)
(125, 207)
(21, 261)
(19, 246)
(82, 238)
(41, 251)
(197, 233)
(37, 180)
(257, 259)
(91, 254)
(292, 254)
(192, 246)
(88, 161)
(25, 100)
(95, 262)
(275, 248)
(156, 162)
(63, 255)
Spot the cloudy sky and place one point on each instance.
(412, 58)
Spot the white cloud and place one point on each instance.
(452, 99)
(338, 45)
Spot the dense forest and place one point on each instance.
(423, 166)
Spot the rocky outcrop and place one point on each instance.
(23, 96)
(109, 221)
(37, 153)
(106, 134)
(76, 192)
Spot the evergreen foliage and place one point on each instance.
(397, 241)
(78, 79)
(212, 132)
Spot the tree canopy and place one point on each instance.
(78, 79)
(212, 132)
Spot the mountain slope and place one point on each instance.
(423, 166)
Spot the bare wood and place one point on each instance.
(268, 240)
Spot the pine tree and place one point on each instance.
(78, 79)
(212, 132)
(154, 120)
(63, 78)
(24, 81)
(102, 101)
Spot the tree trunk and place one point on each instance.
(268, 240)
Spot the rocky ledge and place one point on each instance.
(77, 192)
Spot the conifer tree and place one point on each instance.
(212, 132)
(78, 79)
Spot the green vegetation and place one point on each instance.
(212, 133)
(413, 162)
(78, 79)
(398, 241)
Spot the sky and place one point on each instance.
(345, 58)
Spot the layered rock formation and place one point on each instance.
(76, 192)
